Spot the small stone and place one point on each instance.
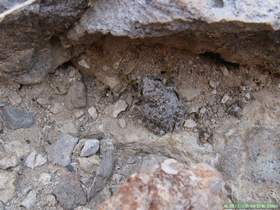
(235, 110)
(119, 107)
(190, 93)
(68, 126)
(190, 123)
(15, 118)
(50, 201)
(14, 98)
(225, 71)
(213, 84)
(169, 166)
(69, 192)
(225, 99)
(76, 97)
(79, 114)
(60, 152)
(8, 161)
(29, 200)
(84, 64)
(89, 164)
(122, 123)
(35, 160)
(57, 108)
(90, 148)
(7, 185)
(45, 178)
(93, 112)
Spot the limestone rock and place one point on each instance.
(202, 26)
(60, 152)
(170, 186)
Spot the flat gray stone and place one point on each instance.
(69, 192)
(60, 152)
(90, 148)
(15, 118)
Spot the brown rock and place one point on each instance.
(170, 186)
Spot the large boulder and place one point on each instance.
(169, 186)
(244, 32)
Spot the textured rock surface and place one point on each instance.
(170, 186)
(29, 45)
(162, 110)
(219, 26)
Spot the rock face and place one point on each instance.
(169, 186)
(219, 26)
(29, 46)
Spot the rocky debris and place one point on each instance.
(7, 185)
(93, 112)
(34, 160)
(118, 107)
(8, 161)
(69, 192)
(76, 97)
(162, 110)
(60, 152)
(15, 98)
(105, 169)
(90, 147)
(29, 200)
(171, 185)
(15, 118)
(45, 178)
(39, 50)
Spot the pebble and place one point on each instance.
(225, 71)
(7, 185)
(93, 112)
(225, 99)
(69, 192)
(190, 93)
(76, 97)
(122, 123)
(82, 208)
(29, 200)
(8, 161)
(119, 107)
(60, 152)
(190, 123)
(84, 64)
(79, 114)
(15, 118)
(235, 110)
(45, 178)
(169, 166)
(57, 108)
(34, 160)
(90, 147)
(213, 84)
